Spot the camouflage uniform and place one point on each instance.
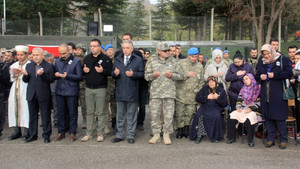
(186, 91)
(82, 93)
(253, 62)
(162, 92)
(110, 103)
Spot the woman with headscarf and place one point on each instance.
(208, 119)
(271, 73)
(217, 68)
(248, 100)
(235, 75)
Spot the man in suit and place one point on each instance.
(128, 68)
(68, 73)
(39, 74)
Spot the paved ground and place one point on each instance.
(183, 153)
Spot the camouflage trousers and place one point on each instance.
(82, 103)
(165, 107)
(110, 107)
(183, 114)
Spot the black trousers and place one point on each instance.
(231, 129)
(2, 112)
(232, 103)
(45, 108)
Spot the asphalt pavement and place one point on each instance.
(182, 154)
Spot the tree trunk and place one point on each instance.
(285, 36)
(253, 35)
(226, 28)
(189, 30)
(204, 26)
(28, 27)
(274, 16)
(61, 24)
(199, 28)
(230, 29)
(240, 30)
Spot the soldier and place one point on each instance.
(80, 54)
(162, 72)
(110, 102)
(186, 91)
(226, 58)
(253, 59)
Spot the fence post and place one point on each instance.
(41, 24)
(100, 22)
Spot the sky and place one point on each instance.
(153, 1)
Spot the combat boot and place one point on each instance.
(167, 139)
(16, 134)
(186, 131)
(179, 133)
(155, 139)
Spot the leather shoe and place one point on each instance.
(116, 140)
(251, 144)
(72, 137)
(282, 145)
(59, 137)
(269, 144)
(30, 139)
(46, 140)
(130, 140)
(14, 136)
(230, 141)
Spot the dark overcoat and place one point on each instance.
(277, 108)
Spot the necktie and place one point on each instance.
(126, 60)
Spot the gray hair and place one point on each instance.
(65, 45)
(39, 49)
(48, 56)
(127, 41)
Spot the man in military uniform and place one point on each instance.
(80, 54)
(162, 72)
(253, 59)
(110, 103)
(186, 91)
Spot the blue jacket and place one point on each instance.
(236, 82)
(68, 86)
(127, 88)
(277, 108)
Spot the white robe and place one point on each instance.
(24, 119)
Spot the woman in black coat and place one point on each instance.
(208, 120)
(271, 73)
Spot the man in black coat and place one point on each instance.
(4, 80)
(39, 74)
(127, 70)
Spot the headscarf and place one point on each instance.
(215, 53)
(250, 93)
(269, 48)
(213, 78)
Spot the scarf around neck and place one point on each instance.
(250, 93)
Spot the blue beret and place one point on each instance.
(107, 47)
(102, 46)
(225, 51)
(193, 51)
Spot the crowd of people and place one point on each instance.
(189, 94)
